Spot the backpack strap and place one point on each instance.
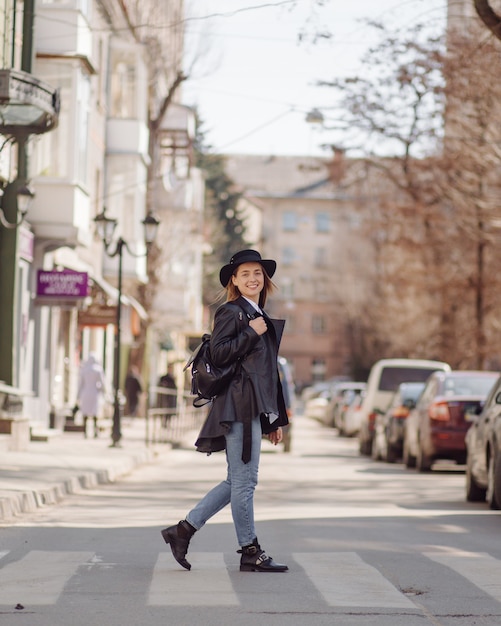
(193, 356)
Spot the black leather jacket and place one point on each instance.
(255, 391)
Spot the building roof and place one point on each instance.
(280, 176)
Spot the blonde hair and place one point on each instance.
(233, 292)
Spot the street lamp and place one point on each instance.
(105, 228)
(24, 196)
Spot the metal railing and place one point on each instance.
(171, 416)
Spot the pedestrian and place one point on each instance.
(251, 406)
(133, 390)
(167, 401)
(91, 386)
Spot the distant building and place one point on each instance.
(308, 227)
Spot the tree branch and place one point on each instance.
(488, 16)
(155, 123)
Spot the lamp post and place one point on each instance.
(14, 203)
(105, 228)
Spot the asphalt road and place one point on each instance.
(367, 543)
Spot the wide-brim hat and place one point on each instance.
(245, 256)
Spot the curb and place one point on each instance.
(15, 504)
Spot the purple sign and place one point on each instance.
(65, 284)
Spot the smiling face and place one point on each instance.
(249, 279)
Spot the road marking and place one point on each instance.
(207, 584)
(39, 577)
(479, 568)
(3, 553)
(344, 579)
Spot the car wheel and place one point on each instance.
(376, 451)
(408, 458)
(423, 462)
(365, 447)
(474, 492)
(492, 471)
(391, 454)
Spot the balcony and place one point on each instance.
(127, 136)
(63, 31)
(60, 212)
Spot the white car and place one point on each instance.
(384, 378)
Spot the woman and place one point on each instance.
(251, 406)
(133, 389)
(91, 387)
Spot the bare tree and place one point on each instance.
(433, 223)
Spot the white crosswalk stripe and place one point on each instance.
(210, 578)
(41, 575)
(344, 579)
(481, 569)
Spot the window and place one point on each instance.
(318, 325)
(318, 369)
(320, 257)
(322, 222)
(289, 221)
(392, 377)
(124, 84)
(288, 256)
(321, 289)
(82, 119)
(50, 154)
(290, 323)
(287, 288)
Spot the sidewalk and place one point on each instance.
(67, 464)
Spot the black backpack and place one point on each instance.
(209, 380)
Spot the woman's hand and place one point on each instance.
(258, 324)
(276, 436)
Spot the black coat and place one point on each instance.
(256, 389)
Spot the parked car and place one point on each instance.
(389, 426)
(436, 428)
(384, 378)
(316, 406)
(342, 395)
(353, 415)
(289, 391)
(483, 452)
(312, 391)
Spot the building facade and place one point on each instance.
(115, 66)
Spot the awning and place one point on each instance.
(112, 293)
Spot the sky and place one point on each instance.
(252, 80)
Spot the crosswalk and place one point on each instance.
(341, 579)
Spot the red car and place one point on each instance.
(436, 427)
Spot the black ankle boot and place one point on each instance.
(179, 539)
(254, 559)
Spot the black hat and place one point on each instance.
(245, 256)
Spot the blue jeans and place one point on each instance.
(237, 489)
